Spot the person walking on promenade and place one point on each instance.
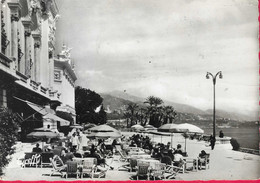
(212, 142)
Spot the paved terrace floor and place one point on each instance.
(225, 164)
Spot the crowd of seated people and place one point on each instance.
(96, 152)
(161, 150)
(137, 140)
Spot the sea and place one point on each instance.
(247, 137)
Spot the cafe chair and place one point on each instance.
(36, 160)
(88, 167)
(56, 168)
(72, 168)
(28, 158)
(204, 161)
(45, 159)
(159, 171)
(143, 171)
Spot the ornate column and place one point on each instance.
(37, 47)
(1, 19)
(15, 8)
(27, 46)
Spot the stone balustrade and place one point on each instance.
(4, 60)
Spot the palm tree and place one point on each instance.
(154, 110)
(127, 115)
(170, 114)
(154, 101)
(132, 109)
(142, 116)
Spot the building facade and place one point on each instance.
(64, 81)
(29, 71)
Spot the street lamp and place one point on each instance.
(214, 78)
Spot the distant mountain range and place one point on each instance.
(118, 101)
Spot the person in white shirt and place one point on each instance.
(74, 141)
(84, 141)
(178, 159)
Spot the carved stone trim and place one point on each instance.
(37, 44)
(15, 8)
(27, 33)
(15, 17)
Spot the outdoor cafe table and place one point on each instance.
(133, 148)
(152, 162)
(137, 153)
(80, 160)
(141, 156)
(191, 160)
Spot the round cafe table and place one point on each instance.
(152, 162)
(137, 153)
(141, 156)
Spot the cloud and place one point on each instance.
(165, 48)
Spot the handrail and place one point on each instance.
(250, 151)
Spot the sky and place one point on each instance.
(165, 48)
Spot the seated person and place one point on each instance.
(37, 149)
(170, 154)
(202, 158)
(168, 146)
(177, 160)
(95, 153)
(67, 155)
(178, 150)
(133, 144)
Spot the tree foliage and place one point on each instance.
(86, 102)
(9, 125)
(154, 114)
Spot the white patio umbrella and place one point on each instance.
(102, 128)
(137, 127)
(186, 127)
(149, 127)
(104, 131)
(168, 128)
(171, 128)
(77, 126)
(104, 135)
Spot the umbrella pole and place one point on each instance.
(42, 144)
(161, 138)
(171, 140)
(185, 144)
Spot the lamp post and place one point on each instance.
(214, 78)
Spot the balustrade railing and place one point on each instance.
(22, 76)
(5, 60)
(34, 85)
(43, 90)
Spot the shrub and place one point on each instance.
(9, 124)
(234, 144)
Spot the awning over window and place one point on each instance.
(37, 108)
(63, 122)
(46, 113)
